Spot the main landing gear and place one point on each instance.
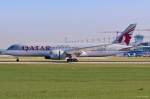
(71, 59)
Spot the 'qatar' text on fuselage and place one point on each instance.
(36, 48)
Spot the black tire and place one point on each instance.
(72, 60)
(75, 60)
(68, 60)
(17, 60)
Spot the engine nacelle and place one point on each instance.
(56, 55)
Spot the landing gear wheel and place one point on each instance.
(72, 60)
(17, 60)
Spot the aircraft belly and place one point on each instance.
(99, 53)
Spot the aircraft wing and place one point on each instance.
(90, 48)
(78, 51)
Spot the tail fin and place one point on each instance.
(126, 35)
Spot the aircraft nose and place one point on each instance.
(1, 52)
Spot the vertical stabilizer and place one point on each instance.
(126, 35)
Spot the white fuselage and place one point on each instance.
(93, 51)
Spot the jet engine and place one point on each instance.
(56, 55)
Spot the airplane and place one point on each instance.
(68, 52)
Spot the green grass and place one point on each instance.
(74, 81)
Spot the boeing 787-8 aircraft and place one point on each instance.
(121, 43)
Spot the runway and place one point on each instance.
(75, 62)
(83, 60)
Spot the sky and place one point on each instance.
(46, 21)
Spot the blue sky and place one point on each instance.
(45, 21)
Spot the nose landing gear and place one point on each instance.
(17, 60)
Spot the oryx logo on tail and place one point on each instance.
(126, 35)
